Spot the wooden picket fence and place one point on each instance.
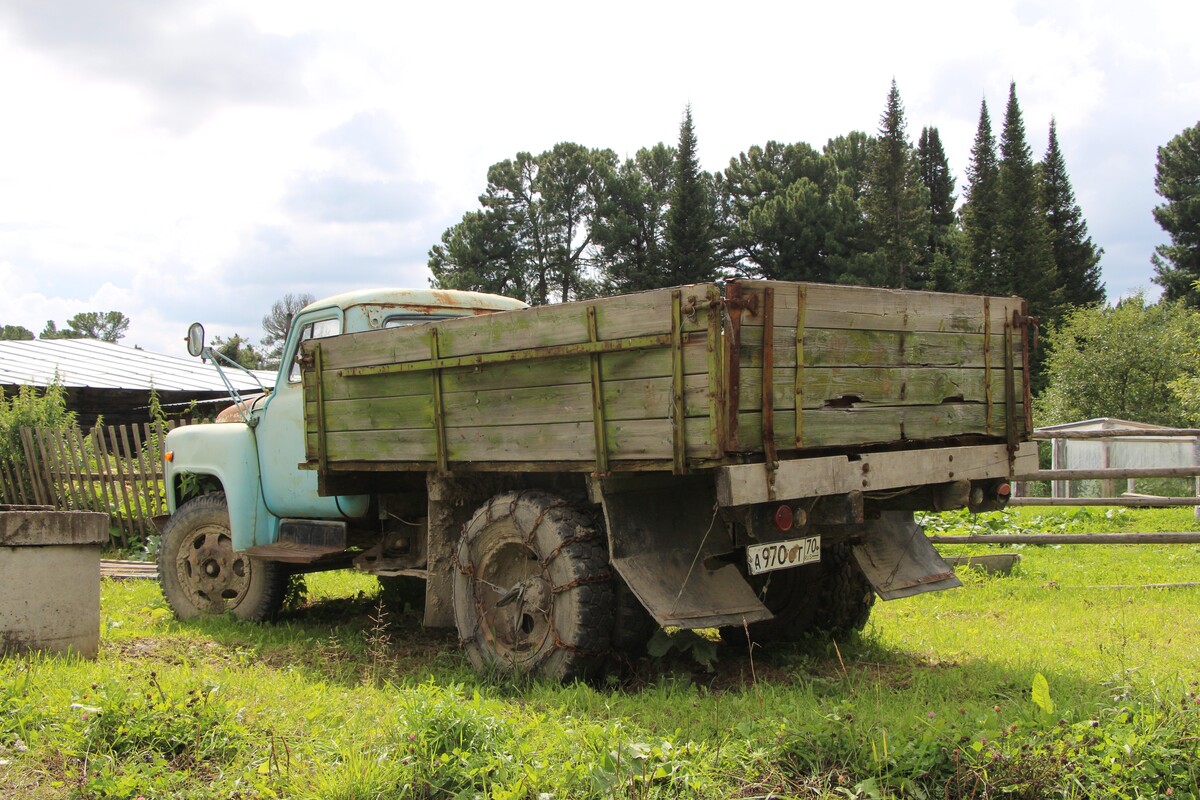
(117, 470)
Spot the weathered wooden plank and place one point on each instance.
(651, 439)
(870, 308)
(864, 386)
(849, 348)
(523, 374)
(745, 484)
(623, 400)
(111, 468)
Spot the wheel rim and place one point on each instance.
(214, 577)
(514, 602)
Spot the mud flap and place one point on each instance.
(664, 540)
(898, 560)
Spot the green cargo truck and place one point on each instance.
(553, 481)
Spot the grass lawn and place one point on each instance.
(1064, 679)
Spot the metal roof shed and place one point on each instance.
(114, 381)
(1116, 452)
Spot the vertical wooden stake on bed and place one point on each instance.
(987, 362)
(801, 308)
(439, 411)
(597, 398)
(319, 399)
(768, 386)
(679, 440)
(716, 404)
(1010, 390)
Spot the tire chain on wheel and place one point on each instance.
(592, 580)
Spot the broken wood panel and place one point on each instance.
(891, 386)
(871, 308)
(856, 427)
(846, 348)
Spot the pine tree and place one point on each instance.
(1076, 257)
(691, 218)
(1177, 181)
(1024, 254)
(896, 200)
(979, 212)
(936, 261)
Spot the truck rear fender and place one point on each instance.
(663, 534)
(898, 559)
(227, 453)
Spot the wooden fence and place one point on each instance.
(117, 470)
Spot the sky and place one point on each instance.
(183, 160)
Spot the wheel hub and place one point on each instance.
(514, 599)
(213, 574)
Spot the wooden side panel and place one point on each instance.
(874, 366)
(642, 381)
(533, 400)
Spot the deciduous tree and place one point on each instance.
(107, 326)
(1120, 362)
(15, 333)
(278, 322)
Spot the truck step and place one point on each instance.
(294, 553)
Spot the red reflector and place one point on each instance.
(1004, 490)
(784, 518)
(169, 455)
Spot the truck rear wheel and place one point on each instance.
(201, 574)
(832, 596)
(533, 593)
(846, 594)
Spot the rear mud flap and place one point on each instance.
(664, 540)
(898, 560)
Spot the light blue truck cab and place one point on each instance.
(234, 489)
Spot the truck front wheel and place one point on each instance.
(201, 574)
(533, 593)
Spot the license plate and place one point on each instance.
(762, 558)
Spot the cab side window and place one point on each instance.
(318, 329)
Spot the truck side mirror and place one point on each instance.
(195, 339)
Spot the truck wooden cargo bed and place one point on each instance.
(672, 380)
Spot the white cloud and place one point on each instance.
(200, 159)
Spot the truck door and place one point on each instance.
(288, 490)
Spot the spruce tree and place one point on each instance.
(896, 199)
(1075, 255)
(1025, 258)
(935, 174)
(979, 271)
(1177, 180)
(691, 218)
